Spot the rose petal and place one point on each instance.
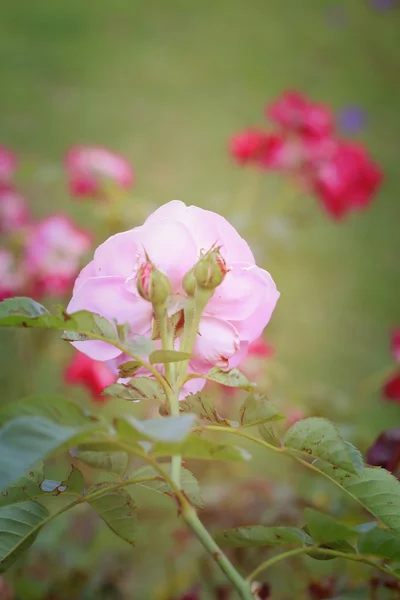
(215, 343)
(107, 297)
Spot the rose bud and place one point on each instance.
(210, 270)
(152, 284)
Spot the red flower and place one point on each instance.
(89, 167)
(248, 146)
(396, 344)
(93, 374)
(8, 165)
(260, 348)
(391, 389)
(297, 114)
(346, 180)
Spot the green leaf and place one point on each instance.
(55, 408)
(79, 326)
(26, 440)
(111, 462)
(128, 369)
(19, 525)
(324, 528)
(118, 511)
(139, 388)
(260, 535)
(34, 485)
(166, 429)
(202, 405)
(376, 489)
(320, 438)
(269, 434)
(195, 446)
(232, 378)
(168, 356)
(380, 542)
(188, 483)
(28, 487)
(25, 312)
(257, 409)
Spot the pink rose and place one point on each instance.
(53, 253)
(14, 211)
(173, 237)
(89, 167)
(8, 165)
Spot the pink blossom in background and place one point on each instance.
(396, 344)
(391, 389)
(305, 147)
(8, 165)
(347, 180)
(53, 253)
(248, 146)
(92, 374)
(12, 275)
(261, 348)
(88, 167)
(14, 211)
(173, 236)
(296, 113)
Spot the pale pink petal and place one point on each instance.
(118, 255)
(107, 297)
(207, 228)
(170, 247)
(215, 343)
(251, 328)
(192, 387)
(86, 272)
(239, 294)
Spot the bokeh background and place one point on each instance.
(166, 83)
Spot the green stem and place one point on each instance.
(286, 452)
(192, 520)
(323, 552)
(162, 322)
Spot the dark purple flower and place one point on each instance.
(352, 119)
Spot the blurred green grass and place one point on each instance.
(167, 83)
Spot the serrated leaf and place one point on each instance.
(26, 488)
(138, 388)
(111, 462)
(195, 446)
(55, 408)
(118, 511)
(168, 356)
(128, 369)
(324, 528)
(167, 429)
(202, 405)
(380, 542)
(257, 409)
(79, 326)
(26, 440)
(33, 485)
(188, 483)
(320, 438)
(260, 535)
(269, 434)
(376, 489)
(19, 525)
(139, 345)
(232, 378)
